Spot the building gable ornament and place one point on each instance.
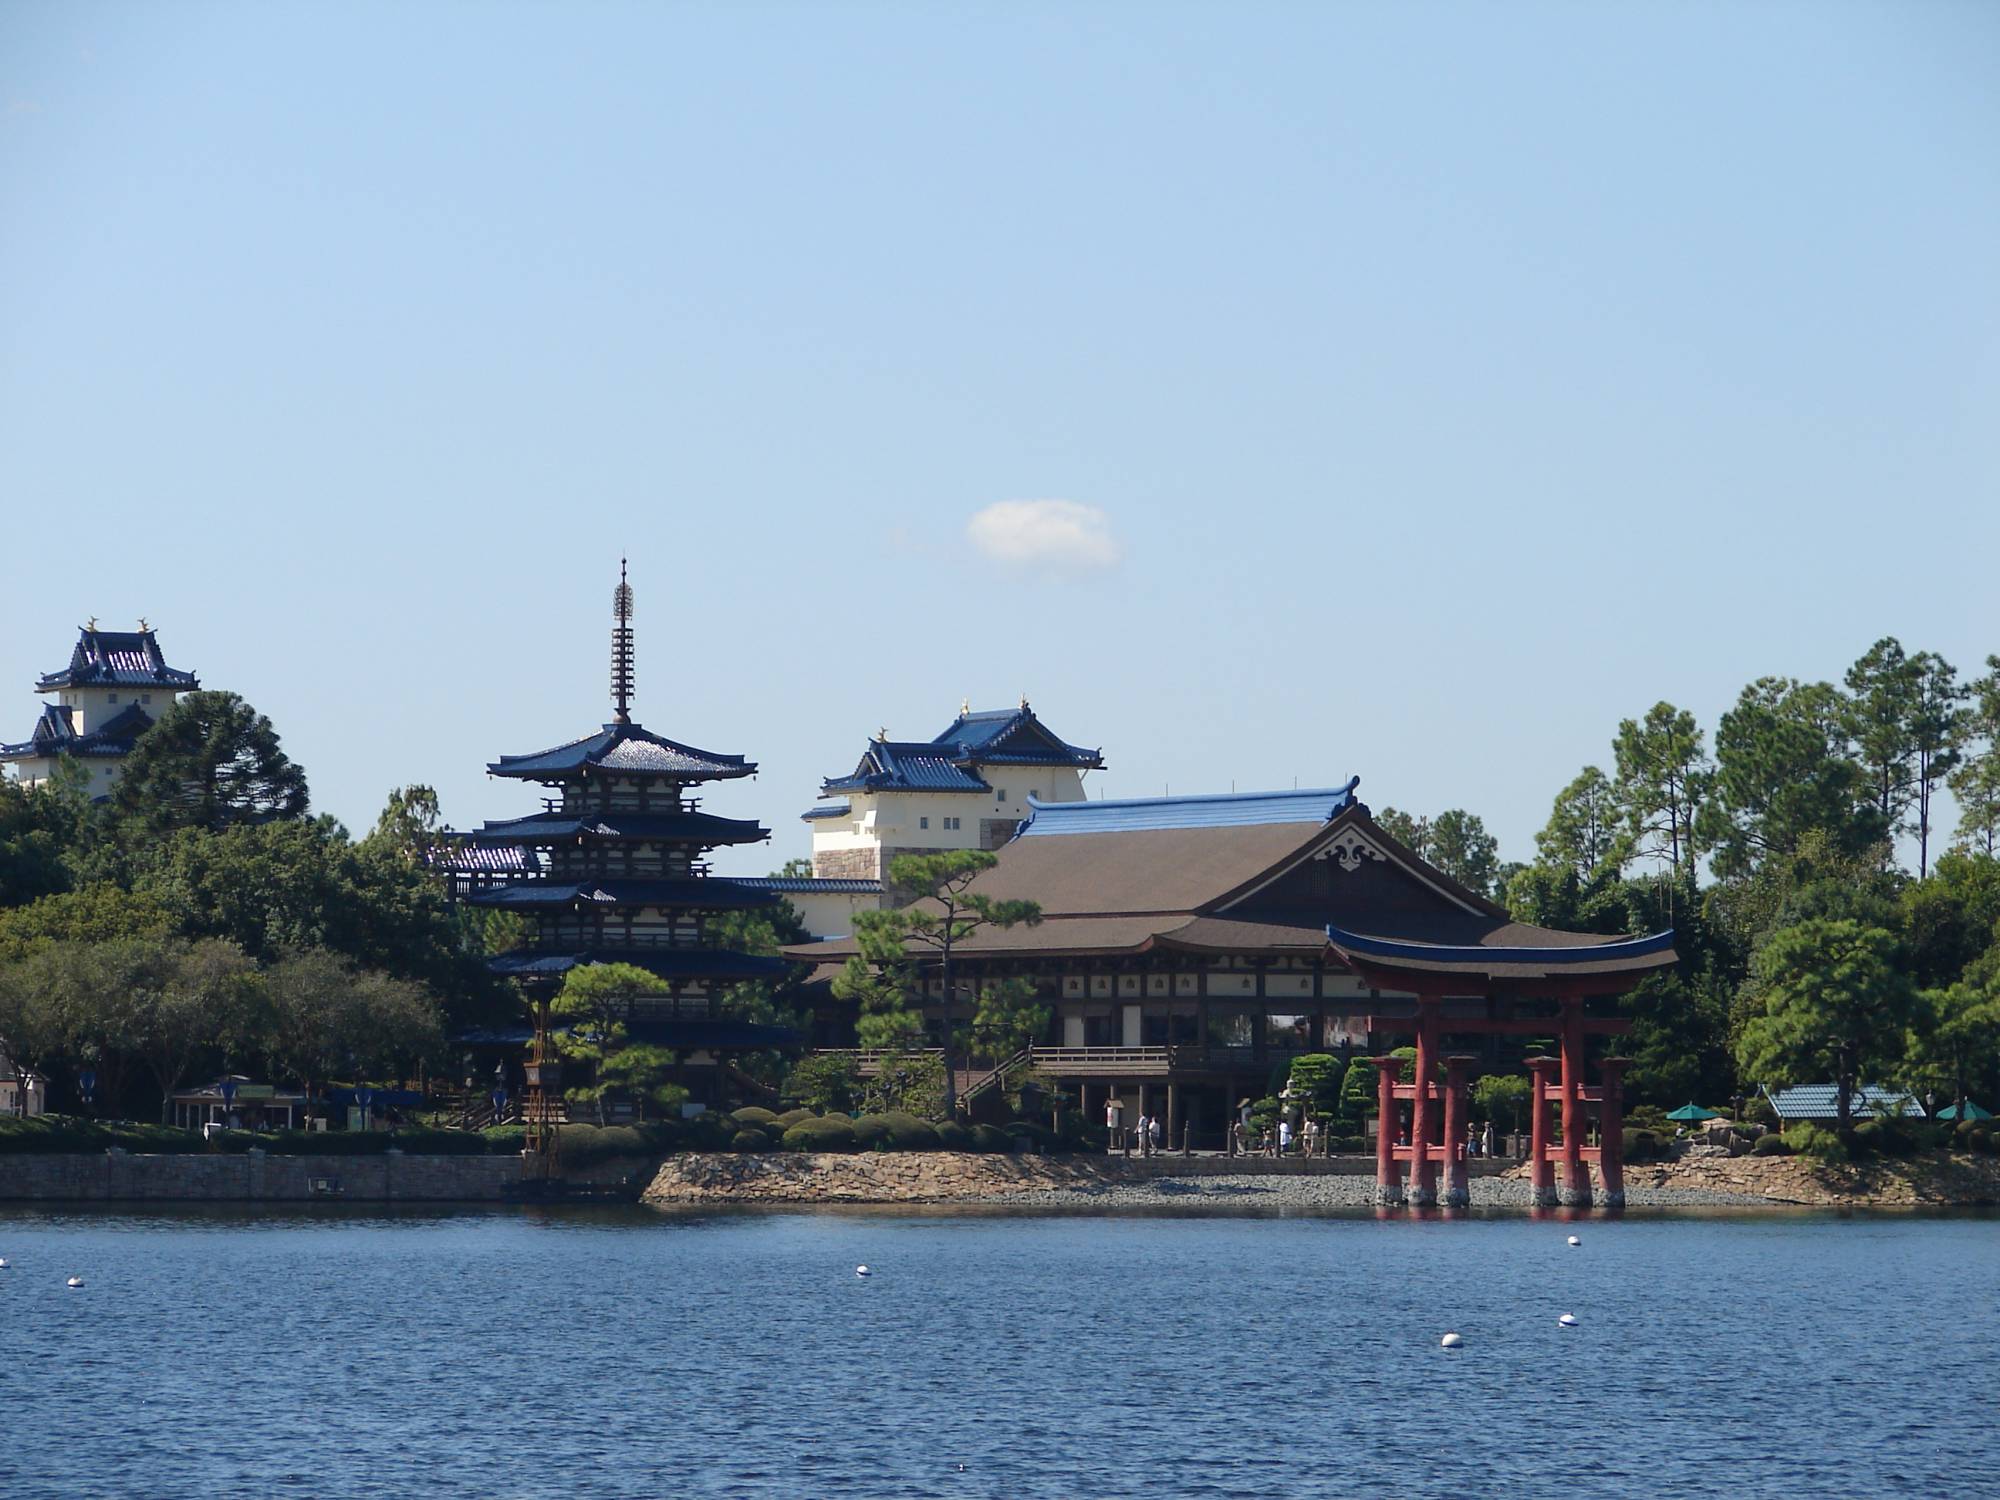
(1350, 848)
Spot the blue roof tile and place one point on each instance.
(950, 762)
(1234, 810)
(117, 658)
(1821, 1101)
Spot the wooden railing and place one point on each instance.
(1062, 1061)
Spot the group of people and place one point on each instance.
(1147, 1136)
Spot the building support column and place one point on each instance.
(1171, 1140)
(1541, 1171)
(1611, 1133)
(1423, 1164)
(1575, 1191)
(1457, 1186)
(1388, 1180)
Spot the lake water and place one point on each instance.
(614, 1353)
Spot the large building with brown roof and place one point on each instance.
(1190, 946)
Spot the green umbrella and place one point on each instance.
(1972, 1112)
(1692, 1113)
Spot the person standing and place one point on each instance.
(1284, 1137)
(1153, 1126)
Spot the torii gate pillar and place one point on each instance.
(1388, 1175)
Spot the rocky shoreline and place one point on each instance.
(946, 1177)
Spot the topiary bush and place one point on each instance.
(753, 1116)
(505, 1140)
(1771, 1145)
(822, 1133)
(750, 1138)
(1818, 1143)
(953, 1136)
(793, 1117)
(1643, 1146)
(1028, 1135)
(895, 1130)
(991, 1138)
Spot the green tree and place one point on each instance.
(1586, 830)
(1955, 1045)
(1782, 772)
(96, 913)
(1413, 833)
(1008, 1015)
(1503, 1098)
(1831, 1004)
(410, 826)
(824, 1081)
(39, 829)
(1464, 850)
(1663, 779)
(1975, 781)
(1316, 1077)
(1939, 724)
(323, 1019)
(211, 761)
(596, 1000)
(1882, 688)
(203, 1001)
(944, 911)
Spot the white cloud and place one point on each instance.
(1053, 533)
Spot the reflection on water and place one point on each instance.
(611, 1351)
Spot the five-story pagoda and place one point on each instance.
(615, 868)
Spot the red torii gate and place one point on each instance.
(1432, 972)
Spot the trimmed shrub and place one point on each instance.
(793, 1117)
(821, 1133)
(953, 1136)
(1818, 1143)
(1644, 1146)
(750, 1138)
(1351, 1145)
(1029, 1135)
(895, 1131)
(707, 1132)
(583, 1145)
(990, 1138)
(504, 1140)
(661, 1136)
(753, 1117)
(440, 1142)
(1771, 1145)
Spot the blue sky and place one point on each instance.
(1439, 384)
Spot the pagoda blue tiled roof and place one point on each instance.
(117, 658)
(653, 827)
(950, 762)
(702, 893)
(55, 734)
(667, 963)
(624, 750)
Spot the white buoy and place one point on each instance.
(1451, 1341)
(1568, 1320)
(74, 1282)
(3, 1262)
(1574, 1241)
(861, 1271)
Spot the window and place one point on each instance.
(145, 697)
(1003, 794)
(951, 823)
(923, 822)
(111, 698)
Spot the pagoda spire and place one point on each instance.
(621, 648)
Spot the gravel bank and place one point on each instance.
(1306, 1194)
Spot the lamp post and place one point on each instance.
(227, 1088)
(86, 1085)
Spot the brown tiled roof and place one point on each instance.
(1147, 870)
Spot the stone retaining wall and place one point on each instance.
(866, 1177)
(256, 1177)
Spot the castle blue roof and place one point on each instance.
(624, 750)
(55, 734)
(1232, 810)
(686, 827)
(117, 658)
(950, 762)
(838, 809)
